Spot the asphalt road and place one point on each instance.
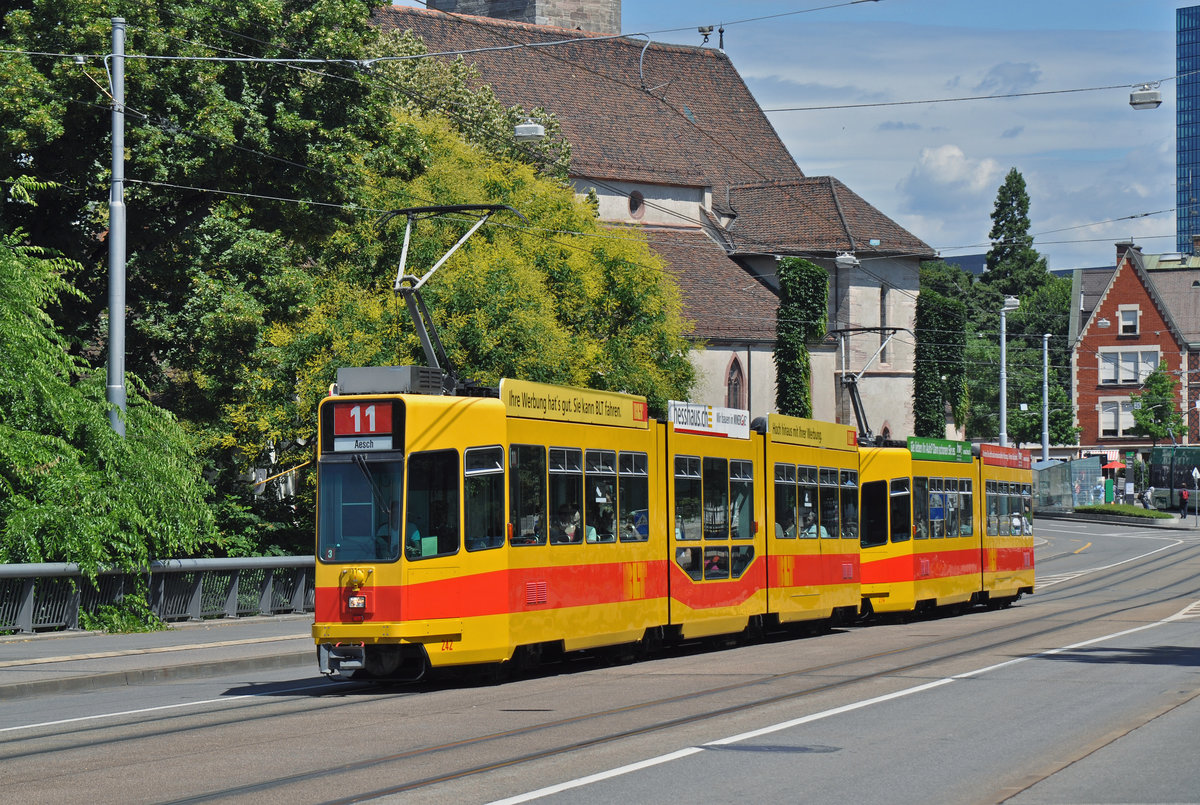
(1085, 692)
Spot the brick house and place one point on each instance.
(669, 139)
(1130, 318)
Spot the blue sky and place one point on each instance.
(1087, 157)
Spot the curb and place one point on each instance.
(1162, 524)
(144, 676)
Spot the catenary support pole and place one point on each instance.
(115, 390)
(1045, 396)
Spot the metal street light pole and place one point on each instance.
(115, 390)
(1010, 303)
(1045, 396)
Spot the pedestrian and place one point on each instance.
(1183, 500)
(1150, 497)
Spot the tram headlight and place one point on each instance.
(356, 602)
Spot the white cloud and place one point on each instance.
(1008, 78)
(945, 170)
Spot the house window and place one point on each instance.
(734, 384)
(1130, 314)
(1116, 417)
(1126, 365)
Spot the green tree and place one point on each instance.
(1156, 413)
(569, 309)
(70, 489)
(940, 367)
(800, 320)
(256, 263)
(1013, 266)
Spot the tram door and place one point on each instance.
(716, 501)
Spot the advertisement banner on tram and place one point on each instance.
(709, 419)
(530, 400)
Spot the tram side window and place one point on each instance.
(900, 505)
(874, 529)
(1002, 508)
(966, 510)
(1027, 508)
(633, 497)
(566, 492)
(739, 559)
(483, 498)
(937, 509)
(716, 498)
(600, 485)
(741, 495)
(952, 507)
(527, 494)
(431, 524)
(716, 562)
(992, 507)
(920, 515)
(1015, 521)
(849, 488)
(810, 525)
(688, 519)
(785, 501)
(829, 514)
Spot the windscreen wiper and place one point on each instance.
(361, 463)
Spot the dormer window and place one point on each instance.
(1130, 316)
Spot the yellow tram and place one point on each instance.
(460, 530)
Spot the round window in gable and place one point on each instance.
(637, 204)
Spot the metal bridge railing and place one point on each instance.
(48, 596)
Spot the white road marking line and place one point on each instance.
(1191, 610)
(103, 655)
(160, 708)
(1057, 578)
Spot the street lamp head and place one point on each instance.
(1145, 97)
(846, 260)
(529, 131)
(1011, 303)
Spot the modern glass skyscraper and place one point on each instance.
(1187, 127)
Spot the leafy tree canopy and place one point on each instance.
(256, 261)
(70, 489)
(1156, 413)
(941, 331)
(1013, 266)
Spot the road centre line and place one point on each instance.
(1191, 610)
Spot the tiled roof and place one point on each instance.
(814, 214)
(1092, 284)
(1179, 291)
(663, 114)
(719, 295)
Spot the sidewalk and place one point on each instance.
(61, 662)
